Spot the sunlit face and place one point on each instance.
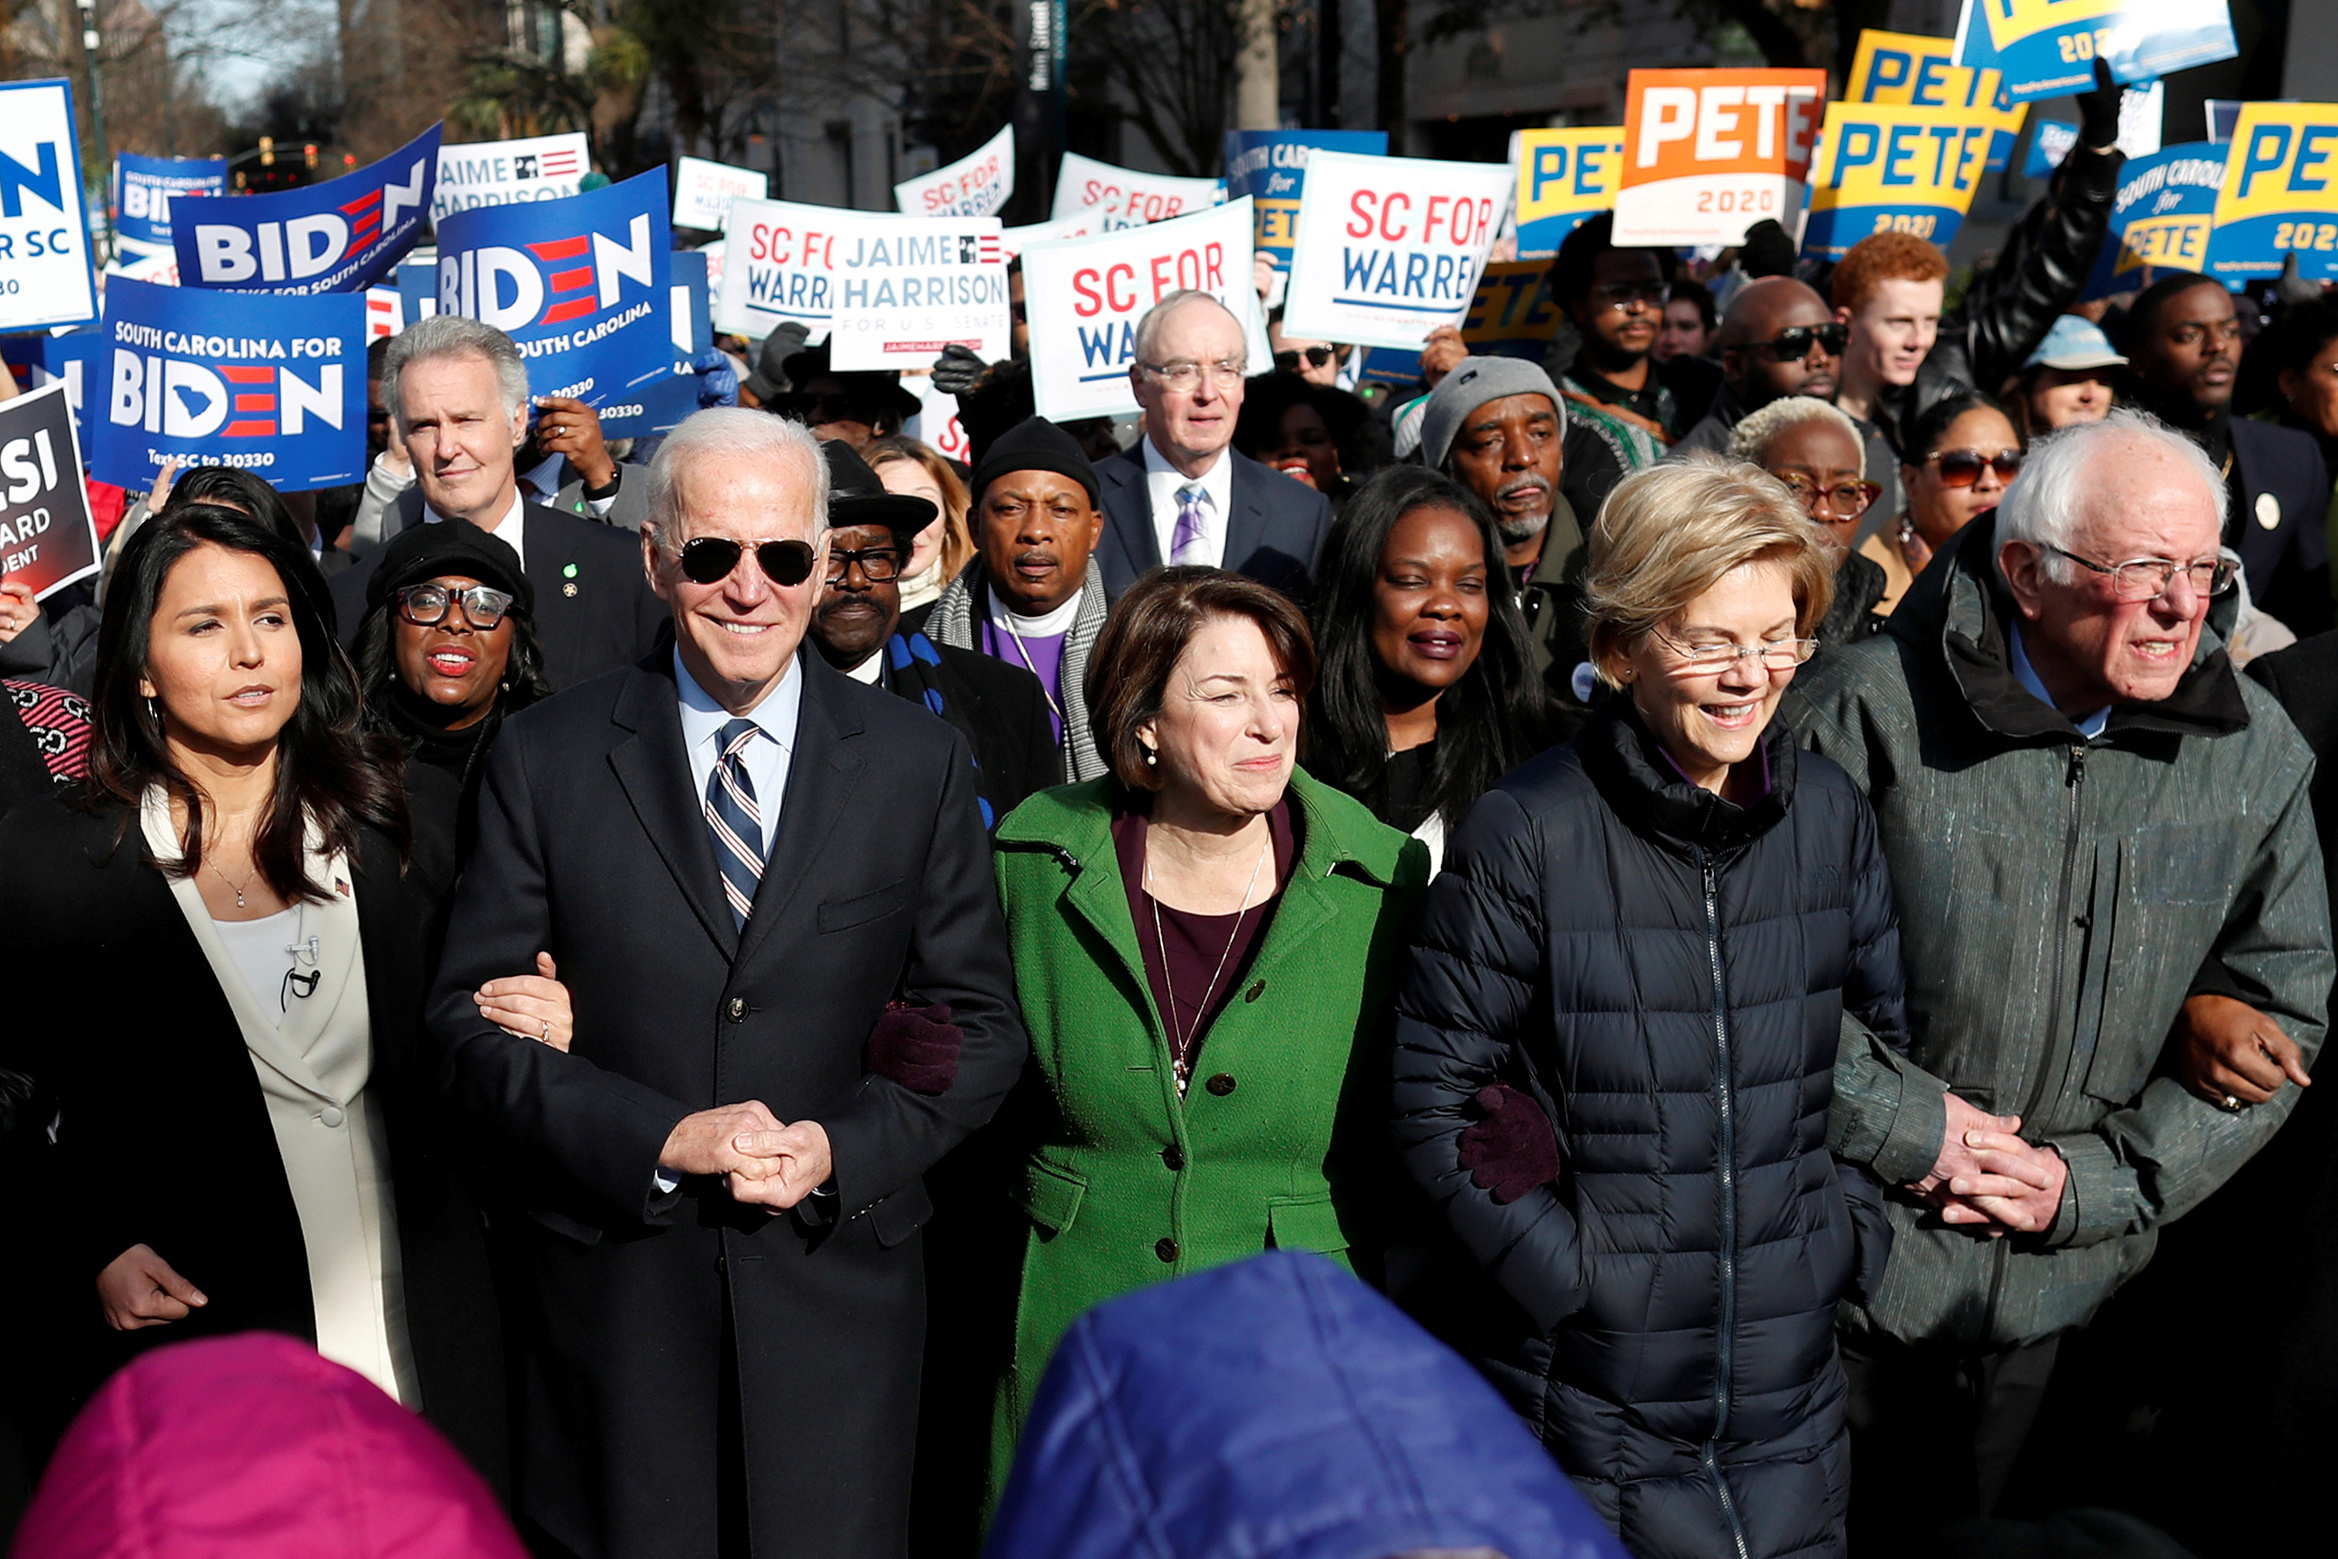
(1305, 350)
(1430, 602)
(223, 658)
(1510, 452)
(451, 663)
(1818, 459)
(1035, 530)
(1893, 331)
(1710, 721)
(2191, 348)
(2313, 394)
(1196, 422)
(461, 436)
(913, 480)
(1621, 313)
(1940, 510)
(1228, 730)
(737, 635)
(2063, 396)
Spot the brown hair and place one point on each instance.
(1150, 626)
(1882, 257)
(957, 539)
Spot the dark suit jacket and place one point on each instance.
(592, 844)
(2288, 562)
(1000, 709)
(594, 609)
(126, 1022)
(1275, 534)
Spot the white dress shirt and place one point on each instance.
(767, 757)
(1162, 480)
(546, 478)
(509, 530)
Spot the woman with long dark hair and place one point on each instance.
(229, 933)
(1427, 694)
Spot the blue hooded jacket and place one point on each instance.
(1277, 1409)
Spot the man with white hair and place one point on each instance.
(758, 877)
(2097, 834)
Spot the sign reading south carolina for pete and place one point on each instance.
(1889, 169)
(579, 284)
(1270, 166)
(508, 173)
(46, 538)
(1708, 153)
(906, 290)
(1390, 248)
(45, 276)
(271, 385)
(1085, 296)
(2162, 218)
(2047, 48)
(339, 236)
(1565, 178)
(2280, 194)
(1921, 72)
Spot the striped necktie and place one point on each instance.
(1193, 525)
(736, 821)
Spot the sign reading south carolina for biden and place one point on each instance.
(46, 538)
(1921, 72)
(910, 288)
(974, 186)
(1390, 248)
(1565, 178)
(579, 284)
(1123, 197)
(1708, 153)
(339, 236)
(1085, 296)
(1883, 168)
(2047, 48)
(45, 276)
(272, 385)
(2280, 194)
(144, 188)
(509, 173)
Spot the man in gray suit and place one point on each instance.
(1183, 494)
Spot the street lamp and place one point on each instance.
(100, 166)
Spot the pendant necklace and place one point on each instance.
(1045, 691)
(230, 882)
(1181, 1060)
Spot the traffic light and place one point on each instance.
(309, 152)
(267, 151)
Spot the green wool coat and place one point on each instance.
(1285, 1120)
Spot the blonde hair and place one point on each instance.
(1668, 534)
(957, 540)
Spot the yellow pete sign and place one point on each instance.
(1564, 178)
(1920, 72)
(2280, 194)
(1884, 168)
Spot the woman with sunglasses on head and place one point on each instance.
(1817, 451)
(1615, 1043)
(1961, 455)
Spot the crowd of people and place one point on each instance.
(1736, 874)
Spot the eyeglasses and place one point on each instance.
(1623, 294)
(1707, 656)
(2147, 579)
(1793, 344)
(878, 564)
(1845, 501)
(426, 606)
(1185, 373)
(1962, 467)
(1316, 357)
(710, 559)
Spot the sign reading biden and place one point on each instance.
(1390, 248)
(339, 236)
(580, 284)
(144, 188)
(45, 276)
(271, 385)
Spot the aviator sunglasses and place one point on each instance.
(710, 559)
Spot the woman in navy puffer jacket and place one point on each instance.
(1649, 938)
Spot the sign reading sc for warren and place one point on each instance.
(579, 284)
(1883, 168)
(45, 276)
(2280, 194)
(1085, 296)
(1270, 166)
(1123, 197)
(2047, 48)
(339, 236)
(1708, 153)
(977, 185)
(913, 287)
(1513, 315)
(47, 540)
(508, 173)
(1921, 72)
(144, 188)
(272, 385)
(703, 192)
(1565, 178)
(1390, 248)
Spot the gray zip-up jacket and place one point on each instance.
(2059, 898)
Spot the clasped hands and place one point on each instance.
(760, 1158)
(1988, 1179)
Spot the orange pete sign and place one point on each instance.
(1708, 153)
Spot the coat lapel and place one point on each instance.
(558, 623)
(822, 776)
(655, 773)
(1246, 526)
(1128, 509)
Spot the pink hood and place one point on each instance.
(253, 1447)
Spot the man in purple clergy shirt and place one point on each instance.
(1034, 596)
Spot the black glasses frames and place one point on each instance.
(1792, 344)
(427, 605)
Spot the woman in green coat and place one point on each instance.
(1206, 945)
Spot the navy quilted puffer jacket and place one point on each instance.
(1665, 972)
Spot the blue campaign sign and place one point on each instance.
(417, 288)
(1270, 166)
(659, 405)
(39, 361)
(144, 188)
(2047, 48)
(2050, 142)
(339, 236)
(45, 272)
(2162, 218)
(581, 283)
(273, 385)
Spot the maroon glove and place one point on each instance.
(1511, 1148)
(916, 1047)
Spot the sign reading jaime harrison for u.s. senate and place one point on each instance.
(272, 385)
(339, 236)
(906, 290)
(45, 274)
(1390, 248)
(509, 173)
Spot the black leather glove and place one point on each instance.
(1767, 251)
(958, 369)
(2098, 110)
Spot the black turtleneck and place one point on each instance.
(429, 738)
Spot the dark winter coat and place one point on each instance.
(1666, 973)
